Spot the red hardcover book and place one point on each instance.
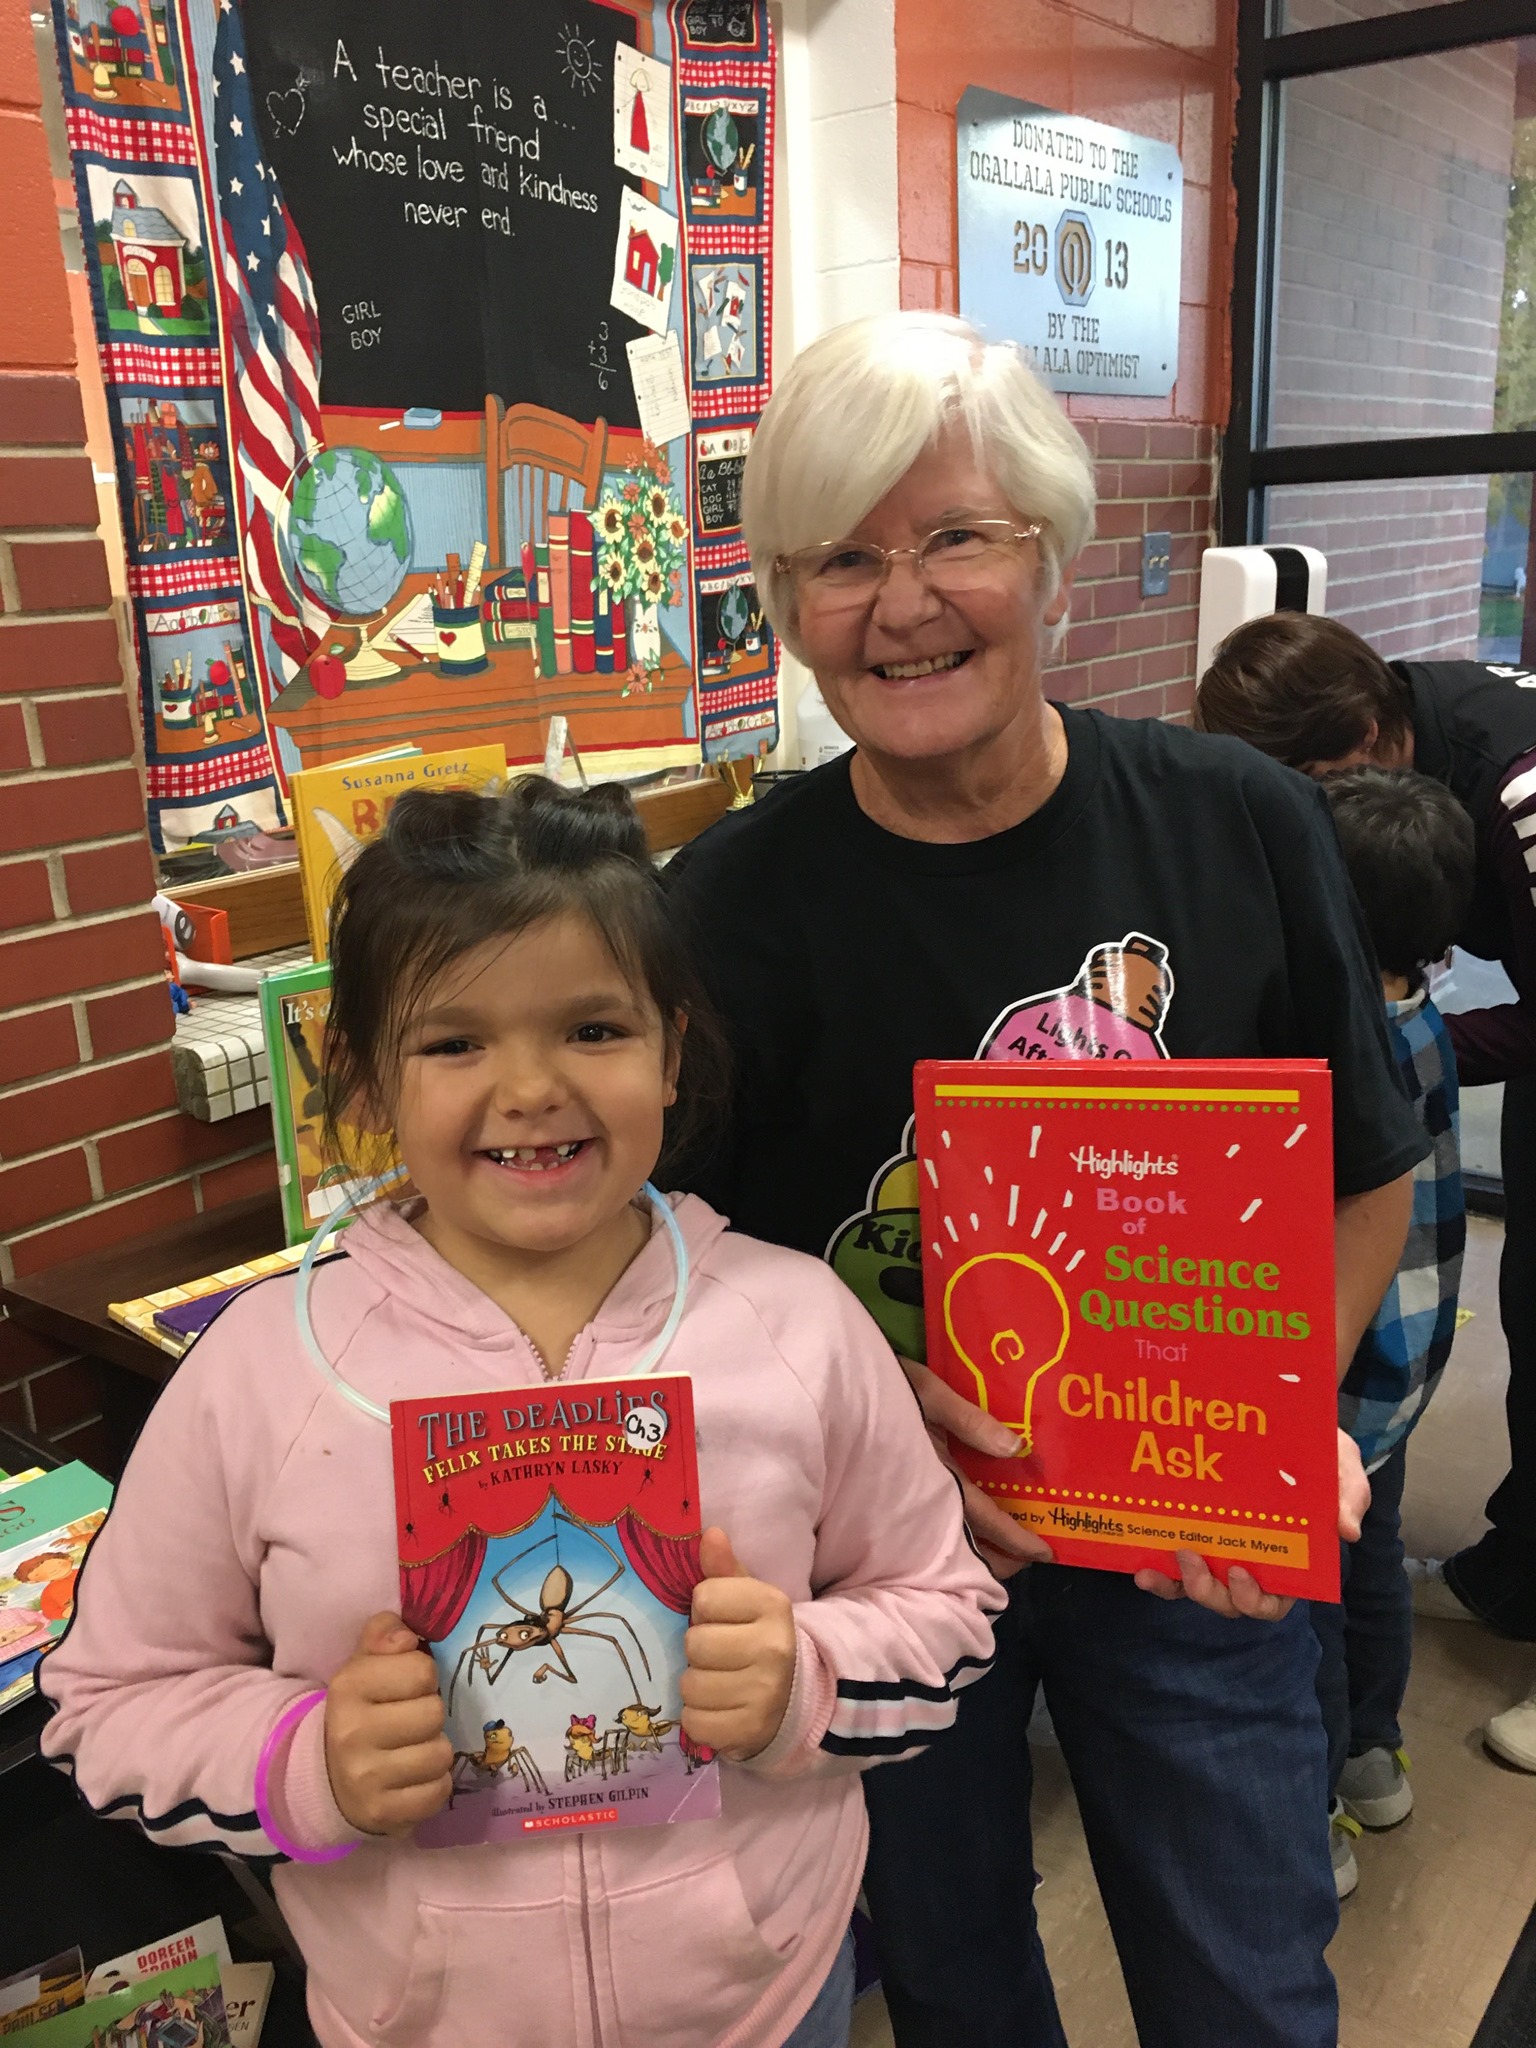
(549, 1547)
(1131, 1265)
(583, 650)
(560, 588)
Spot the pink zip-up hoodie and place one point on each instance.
(254, 1532)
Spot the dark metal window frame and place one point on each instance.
(1264, 62)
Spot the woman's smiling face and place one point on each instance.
(917, 675)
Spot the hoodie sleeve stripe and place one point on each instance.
(875, 1718)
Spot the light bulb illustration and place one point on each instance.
(1113, 1010)
(1008, 1310)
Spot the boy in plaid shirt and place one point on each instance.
(1409, 849)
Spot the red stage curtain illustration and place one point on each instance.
(668, 1566)
(433, 1596)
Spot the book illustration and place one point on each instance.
(1133, 1270)
(642, 114)
(1114, 1009)
(295, 1003)
(41, 1991)
(175, 2008)
(46, 1528)
(549, 1550)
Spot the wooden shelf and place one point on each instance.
(266, 909)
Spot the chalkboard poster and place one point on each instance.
(722, 462)
(449, 168)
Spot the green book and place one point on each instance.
(295, 1002)
(181, 2005)
(546, 640)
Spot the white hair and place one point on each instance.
(862, 403)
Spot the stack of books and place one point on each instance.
(577, 628)
(186, 1988)
(47, 1520)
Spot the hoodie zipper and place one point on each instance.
(586, 1947)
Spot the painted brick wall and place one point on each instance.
(92, 1147)
(1164, 68)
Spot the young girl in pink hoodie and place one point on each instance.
(510, 1005)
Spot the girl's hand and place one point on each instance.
(1241, 1595)
(741, 1656)
(389, 1761)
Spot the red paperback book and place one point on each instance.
(1131, 1264)
(560, 588)
(549, 1547)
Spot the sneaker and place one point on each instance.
(1342, 1833)
(1512, 1735)
(1374, 1788)
(1432, 1597)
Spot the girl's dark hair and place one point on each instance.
(453, 869)
(1411, 855)
(1302, 690)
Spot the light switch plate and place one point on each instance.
(1156, 560)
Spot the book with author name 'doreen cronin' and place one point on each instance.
(549, 1548)
(1131, 1265)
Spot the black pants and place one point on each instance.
(1496, 1577)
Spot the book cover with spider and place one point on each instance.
(549, 1548)
(1130, 1263)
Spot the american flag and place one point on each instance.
(273, 331)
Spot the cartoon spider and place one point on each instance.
(500, 1754)
(539, 1628)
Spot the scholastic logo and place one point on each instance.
(541, 1823)
(1132, 1165)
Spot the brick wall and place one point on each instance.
(1393, 200)
(1164, 68)
(92, 1147)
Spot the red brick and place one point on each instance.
(65, 1397)
(1122, 672)
(61, 654)
(41, 412)
(242, 1177)
(61, 575)
(94, 1099)
(1087, 642)
(1135, 704)
(1173, 441)
(102, 1226)
(1169, 665)
(58, 808)
(1116, 600)
(1145, 630)
(80, 730)
(1125, 439)
(1118, 522)
(176, 1144)
(42, 1188)
(109, 877)
(38, 1042)
(14, 1412)
(47, 490)
(14, 751)
(23, 1351)
(25, 897)
(93, 1444)
(133, 1017)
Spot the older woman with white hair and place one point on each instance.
(914, 500)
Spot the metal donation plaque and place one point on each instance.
(1070, 244)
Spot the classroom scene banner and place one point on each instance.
(434, 342)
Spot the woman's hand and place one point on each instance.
(1004, 1542)
(390, 1763)
(1241, 1594)
(741, 1656)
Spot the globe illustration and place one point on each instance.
(344, 532)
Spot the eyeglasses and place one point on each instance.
(844, 575)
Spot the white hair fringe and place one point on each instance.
(862, 403)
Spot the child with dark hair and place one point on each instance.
(512, 1009)
(1408, 846)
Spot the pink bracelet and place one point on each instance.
(288, 1720)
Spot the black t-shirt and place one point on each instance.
(1177, 896)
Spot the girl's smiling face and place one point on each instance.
(532, 1089)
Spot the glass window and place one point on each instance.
(1300, 14)
(1405, 264)
(1433, 568)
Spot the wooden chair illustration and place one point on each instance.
(536, 463)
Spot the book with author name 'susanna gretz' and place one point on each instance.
(1130, 1263)
(549, 1548)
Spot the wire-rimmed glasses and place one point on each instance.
(845, 575)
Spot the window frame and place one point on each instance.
(1265, 62)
